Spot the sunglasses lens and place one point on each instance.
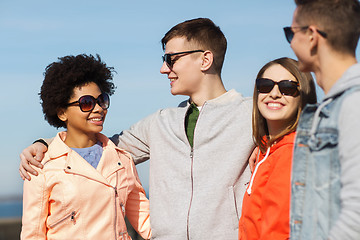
(288, 88)
(87, 103)
(167, 59)
(289, 34)
(104, 101)
(264, 85)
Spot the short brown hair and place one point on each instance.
(339, 19)
(203, 33)
(307, 95)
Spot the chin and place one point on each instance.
(97, 129)
(304, 67)
(175, 93)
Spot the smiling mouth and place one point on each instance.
(172, 80)
(274, 104)
(96, 119)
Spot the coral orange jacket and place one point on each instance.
(266, 203)
(70, 199)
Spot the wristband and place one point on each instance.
(42, 141)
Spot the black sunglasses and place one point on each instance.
(167, 57)
(87, 103)
(286, 87)
(289, 32)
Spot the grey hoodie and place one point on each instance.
(195, 193)
(348, 224)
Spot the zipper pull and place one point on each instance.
(116, 193)
(72, 217)
(191, 153)
(122, 207)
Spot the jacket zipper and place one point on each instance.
(192, 177)
(192, 192)
(116, 195)
(71, 216)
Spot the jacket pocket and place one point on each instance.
(325, 138)
(69, 217)
(233, 207)
(324, 157)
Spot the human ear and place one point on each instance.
(61, 113)
(207, 60)
(313, 38)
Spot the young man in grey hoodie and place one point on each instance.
(325, 196)
(198, 150)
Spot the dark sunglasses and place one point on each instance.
(87, 103)
(289, 32)
(286, 87)
(167, 57)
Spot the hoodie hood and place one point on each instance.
(350, 78)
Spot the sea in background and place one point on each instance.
(11, 206)
(10, 217)
(10, 209)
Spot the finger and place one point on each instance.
(28, 157)
(24, 163)
(251, 165)
(39, 157)
(252, 159)
(23, 174)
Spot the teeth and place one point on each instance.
(96, 119)
(274, 104)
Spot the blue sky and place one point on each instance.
(127, 36)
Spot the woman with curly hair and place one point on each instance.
(87, 184)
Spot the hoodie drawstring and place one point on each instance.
(316, 118)
(256, 168)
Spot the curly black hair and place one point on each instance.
(62, 77)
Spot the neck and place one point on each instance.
(76, 140)
(211, 88)
(275, 128)
(330, 67)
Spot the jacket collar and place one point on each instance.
(75, 164)
(221, 100)
(287, 139)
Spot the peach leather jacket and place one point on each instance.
(69, 199)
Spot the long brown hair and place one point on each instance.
(307, 95)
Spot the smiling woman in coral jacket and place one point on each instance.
(281, 92)
(87, 184)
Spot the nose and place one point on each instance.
(275, 92)
(165, 68)
(97, 108)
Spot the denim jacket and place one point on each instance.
(316, 200)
